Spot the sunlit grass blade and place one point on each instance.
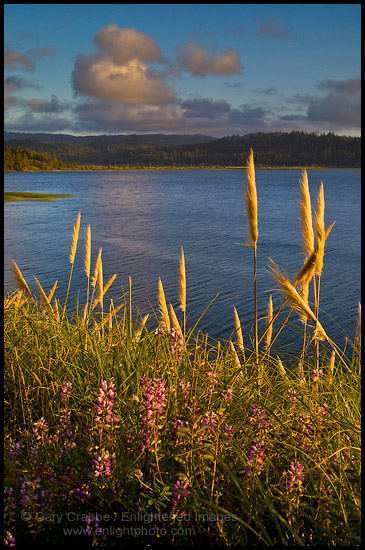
(20, 281)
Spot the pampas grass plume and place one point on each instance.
(75, 237)
(320, 230)
(20, 281)
(174, 319)
(163, 307)
(294, 298)
(251, 202)
(306, 215)
(96, 271)
(44, 299)
(87, 261)
(238, 327)
(182, 282)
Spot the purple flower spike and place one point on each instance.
(176, 344)
(317, 375)
(227, 396)
(154, 402)
(180, 493)
(9, 539)
(104, 406)
(255, 457)
(260, 420)
(295, 476)
(40, 428)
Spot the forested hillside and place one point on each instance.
(21, 160)
(276, 149)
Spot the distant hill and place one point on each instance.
(276, 149)
(129, 139)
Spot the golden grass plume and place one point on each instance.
(281, 368)
(75, 237)
(96, 270)
(320, 229)
(44, 299)
(234, 354)
(238, 331)
(307, 271)
(52, 291)
(251, 202)
(306, 215)
(20, 281)
(294, 298)
(87, 260)
(174, 319)
(182, 282)
(163, 307)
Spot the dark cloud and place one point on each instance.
(14, 84)
(30, 123)
(250, 115)
(114, 117)
(351, 86)
(341, 105)
(54, 105)
(205, 108)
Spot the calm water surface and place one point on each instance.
(142, 218)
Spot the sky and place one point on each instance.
(213, 69)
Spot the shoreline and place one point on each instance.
(92, 168)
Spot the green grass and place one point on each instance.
(196, 436)
(12, 196)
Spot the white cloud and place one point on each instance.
(122, 45)
(98, 76)
(118, 72)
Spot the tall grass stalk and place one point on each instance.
(251, 210)
(182, 288)
(75, 237)
(87, 265)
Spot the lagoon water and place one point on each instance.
(141, 218)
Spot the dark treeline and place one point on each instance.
(277, 149)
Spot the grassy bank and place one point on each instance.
(14, 196)
(118, 435)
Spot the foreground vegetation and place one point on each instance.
(115, 434)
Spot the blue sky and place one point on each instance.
(217, 69)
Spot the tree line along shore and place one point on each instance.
(272, 150)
